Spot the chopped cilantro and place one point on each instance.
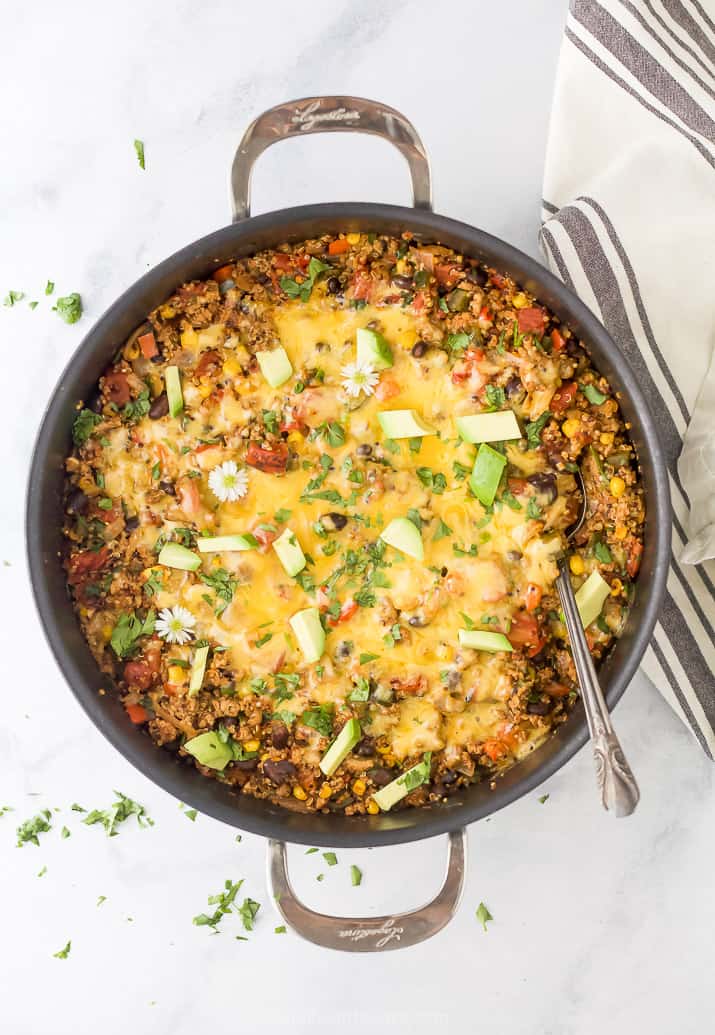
(330, 858)
(224, 902)
(139, 149)
(69, 307)
(365, 658)
(12, 297)
(282, 515)
(511, 501)
(534, 429)
(442, 531)
(496, 396)
(137, 408)
(311, 851)
(223, 584)
(127, 632)
(83, 426)
(602, 553)
(280, 930)
(118, 813)
(29, 831)
(303, 290)
(544, 798)
(436, 483)
(63, 953)
(361, 690)
(533, 510)
(460, 471)
(458, 342)
(319, 718)
(418, 774)
(247, 911)
(355, 876)
(483, 915)
(49, 287)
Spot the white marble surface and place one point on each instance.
(598, 924)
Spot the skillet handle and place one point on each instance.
(328, 115)
(371, 934)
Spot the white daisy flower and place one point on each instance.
(175, 624)
(359, 377)
(228, 482)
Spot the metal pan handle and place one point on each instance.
(328, 115)
(373, 934)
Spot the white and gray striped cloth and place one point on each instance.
(629, 223)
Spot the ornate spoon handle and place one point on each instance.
(619, 790)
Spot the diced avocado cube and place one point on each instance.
(341, 747)
(198, 668)
(403, 424)
(174, 555)
(486, 474)
(404, 535)
(275, 366)
(289, 552)
(591, 597)
(479, 639)
(209, 750)
(309, 633)
(226, 543)
(488, 427)
(373, 349)
(174, 395)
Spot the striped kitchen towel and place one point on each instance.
(629, 223)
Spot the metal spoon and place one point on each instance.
(619, 790)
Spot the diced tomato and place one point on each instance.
(418, 302)
(634, 558)
(387, 389)
(532, 596)
(518, 486)
(447, 275)
(338, 247)
(485, 314)
(223, 273)
(346, 612)
(531, 320)
(557, 341)
(137, 713)
(302, 260)
(265, 536)
(555, 689)
(495, 749)
(497, 280)
(282, 261)
(82, 565)
(189, 498)
(147, 343)
(116, 388)
(564, 397)
(524, 633)
(138, 674)
(409, 684)
(108, 517)
(466, 369)
(362, 286)
(272, 461)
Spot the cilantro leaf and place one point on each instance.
(84, 424)
(534, 429)
(69, 307)
(483, 915)
(128, 630)
(29, 831)
(319, 718)
(117, 813)
(139, 148)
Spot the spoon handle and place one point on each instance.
(619, 790)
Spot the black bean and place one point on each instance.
(419, 348)
(405, 283)
(77, 502)
(132, 522)
(544, 483)
(343, 650)
(573, 349)
(160, 407)
(247, 764)
(279, 735)
(334, 522)
(381, 776)
(539, 707)
(95, 403)
(333, 285)
(446, 783)
(477, 276)
(365, 748)
(279, 772)
(168, 488)
(417, 622)
(514, 387)
(364, 449)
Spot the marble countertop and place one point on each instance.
(598, 924)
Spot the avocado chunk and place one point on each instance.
(480, 639)
(488, 427)
(309, 633)
(209, 750)
(373, 349)
(403, 424)
(174, 395)
(591, 597)
(275, 366)
(341, 747)
(226, 543)
(486, 474)
(198, 668)
(405, 536)
(174, 555)
(290, 552)
(405, 782)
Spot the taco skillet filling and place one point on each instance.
(313, 516)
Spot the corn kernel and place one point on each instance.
(131, 351)
(401, 267)
(176, 674)
(616, 587)
(373, 808)
(205, 389)
(576, 564)
(519, 300)
(383, 749)
(359, 787)
(617, 486)
(148, 572)
(265, 756)
(325, 791)
(299, 793)
(570, 427)
(167, 311)
(231, 367)
(295, 437)
(107, 632)
(353, 238)
(607, 438)
(620, 532)
(251, 745)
